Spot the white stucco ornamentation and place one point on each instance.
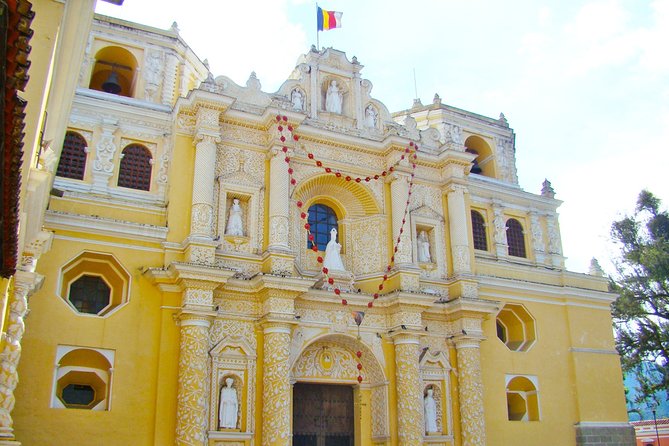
(276, 424)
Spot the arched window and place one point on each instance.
(515, 238)
(73, 157)
(522, 399)
(321, 220)
(135, 169)
(478, 231)
(114, 71)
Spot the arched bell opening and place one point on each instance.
(114, 71)
(484, 163)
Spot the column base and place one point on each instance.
(278, 263)
(9, 443)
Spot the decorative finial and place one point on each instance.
(354, 61)
(205, 62)
(314, 49)
(502, 120)
(437, 99)
(174, 27)
(253, 81)
(547, 190)
(417, 103)
(595, 268)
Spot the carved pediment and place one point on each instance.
(427, 211)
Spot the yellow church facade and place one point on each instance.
(182, 299)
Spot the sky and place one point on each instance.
(584, 84)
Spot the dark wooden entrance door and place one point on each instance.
(322, 415)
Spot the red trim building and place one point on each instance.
(646, 434)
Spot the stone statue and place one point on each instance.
(371, 117)
(332, 259)
(423, 248)
(227, 411)
(297, 100)
(235, 223)
(430, 406)
(333, 98)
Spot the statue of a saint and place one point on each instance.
(235, 222)
(430, 412)
(332, 259)
(370, 117)
(297, 100)
(227, 411)
(333, 98)
(423, 248)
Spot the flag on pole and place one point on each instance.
(328, 19)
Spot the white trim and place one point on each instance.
(602, 424)
(101, 243)
(597, 351)
(284, 330)
(104, 226)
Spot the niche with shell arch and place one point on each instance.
(114, 65)
(485, 158)
(360, 223)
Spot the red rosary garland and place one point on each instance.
(409, 153)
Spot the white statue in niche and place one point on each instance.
(227, 411)
(371, 117)
(235, 222)
(332, 259)
(333, 98)
(297, 99)
(423, 248)
(430, 412)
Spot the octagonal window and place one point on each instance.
(90, 294)
(516, 327)
(78, 395)
(94, 284)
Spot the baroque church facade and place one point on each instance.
(182, 301)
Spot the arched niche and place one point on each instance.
(310, 366)
(114, 63)
(361, 225)
(485, 159)
(233, 357)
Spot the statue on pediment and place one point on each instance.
(297, 100)
(333, 98)
(371, 117)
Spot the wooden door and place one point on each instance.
(322, 415)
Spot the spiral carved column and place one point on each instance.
(11, 353)
(409, 394)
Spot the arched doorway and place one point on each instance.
(328, 402)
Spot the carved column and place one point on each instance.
(457, 217)
(538, 244)
(207, 135)
(192, 396)
(409, 395)
(554, 242)
(470, 390)
(357, 94)
(315, 93)
(399, 193)
(276, 421)
(25, 284)
(499, 222)
(105, 151)
(170, 79)
(279, 201)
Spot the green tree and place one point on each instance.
(641, 312)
